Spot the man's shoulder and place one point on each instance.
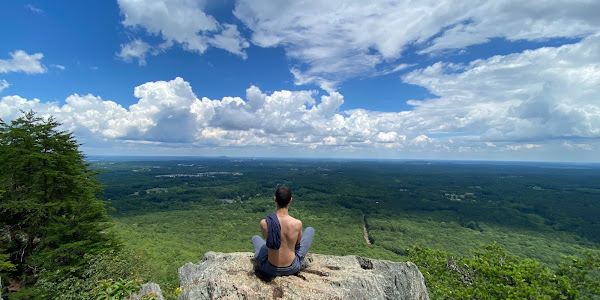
(296, 222)
(292, 221)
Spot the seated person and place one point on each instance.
(286, 245)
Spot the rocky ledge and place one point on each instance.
(234, 276)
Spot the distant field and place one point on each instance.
(402, 232)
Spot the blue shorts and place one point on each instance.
(272, 270)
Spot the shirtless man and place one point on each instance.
(286, 245)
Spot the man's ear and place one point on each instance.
(291, 199)
(274, 198)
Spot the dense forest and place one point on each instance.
(178, 208)
(476, 229)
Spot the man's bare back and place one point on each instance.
(289, 243)
(291, 235)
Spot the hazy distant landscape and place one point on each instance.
(174, 209)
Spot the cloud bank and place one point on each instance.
(537, 95)
(331, 41)
(526, 101)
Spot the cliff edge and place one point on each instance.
(234, 276)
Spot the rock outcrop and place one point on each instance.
(149, 289)
(235, 276)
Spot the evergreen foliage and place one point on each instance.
(103, 276)
(491, 273)
(50, 213)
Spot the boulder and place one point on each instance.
(236, 276)
(150, 289)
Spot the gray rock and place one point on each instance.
(148, 289)
(233, 276)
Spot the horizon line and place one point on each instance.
(339, 158)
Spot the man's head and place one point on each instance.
(283, 196)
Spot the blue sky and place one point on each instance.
(484, 80)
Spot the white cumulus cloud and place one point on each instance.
(183, 22)
(170, 112)
(135, 49)
(543, 94)
(20, 61)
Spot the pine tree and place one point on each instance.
(50, 212)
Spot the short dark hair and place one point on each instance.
(283, 195)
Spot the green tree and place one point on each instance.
(493, 274)
(581, 275)
(103, 274)
(50, 212)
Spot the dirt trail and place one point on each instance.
(366, 234)
(367, 239)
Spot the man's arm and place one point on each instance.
(299, 232)
(263, 228)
